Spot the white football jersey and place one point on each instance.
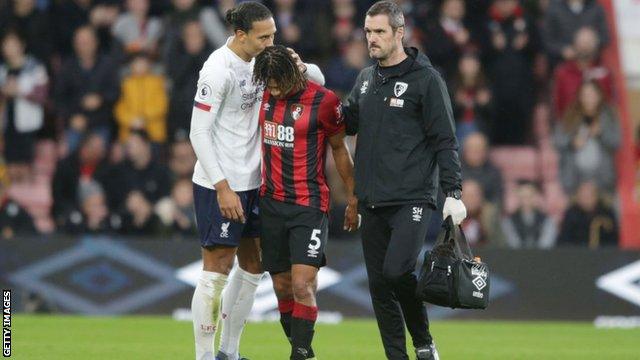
(224, 125)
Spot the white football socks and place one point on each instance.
(236, 305)
(205, 309)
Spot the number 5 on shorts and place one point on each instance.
(315, 244)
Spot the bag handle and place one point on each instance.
(455, 235)
(444, 237)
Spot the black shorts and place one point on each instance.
(292, 234)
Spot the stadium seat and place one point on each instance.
(516, 162)
(35, 197)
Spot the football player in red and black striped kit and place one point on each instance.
(298, 118)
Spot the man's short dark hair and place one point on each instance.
(389, 8)
(244, 15)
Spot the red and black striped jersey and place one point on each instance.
(295, 132)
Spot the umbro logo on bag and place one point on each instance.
(479, 270)
(479, 283)
(480, 273)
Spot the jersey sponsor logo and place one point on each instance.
(224, 233)
(250, 99)
(395, 102)
(399, 88)
(278, 135)
(250, 93)
(296, 111)
(417, 213)
(364, 87)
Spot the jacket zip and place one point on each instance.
(376, 91)
(374, 152)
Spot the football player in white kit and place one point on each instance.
(226, 139)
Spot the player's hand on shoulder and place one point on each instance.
(229, 202)
(351, 216)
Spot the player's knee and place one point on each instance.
(250, 264)
(377, 283)
(218, 260)
(302, 289)
(282, 288)
(249, 256)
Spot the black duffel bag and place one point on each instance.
(450, 275)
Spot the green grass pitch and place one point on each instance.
(139, 338)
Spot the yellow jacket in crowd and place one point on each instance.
(143, 104)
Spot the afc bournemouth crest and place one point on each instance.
(296, 111)
(400, 88)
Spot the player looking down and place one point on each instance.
(298, 118)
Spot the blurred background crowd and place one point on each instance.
(96, 99)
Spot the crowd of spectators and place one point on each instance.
(110, 84)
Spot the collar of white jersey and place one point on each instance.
(228, 49)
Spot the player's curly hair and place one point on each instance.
(275, 63)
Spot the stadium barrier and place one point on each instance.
(106, 276)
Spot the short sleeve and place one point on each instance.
(212, 89)
(331, 114)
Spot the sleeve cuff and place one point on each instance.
(215, 175)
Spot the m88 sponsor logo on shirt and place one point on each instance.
(278, 135)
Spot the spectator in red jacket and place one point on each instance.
(585, 67)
